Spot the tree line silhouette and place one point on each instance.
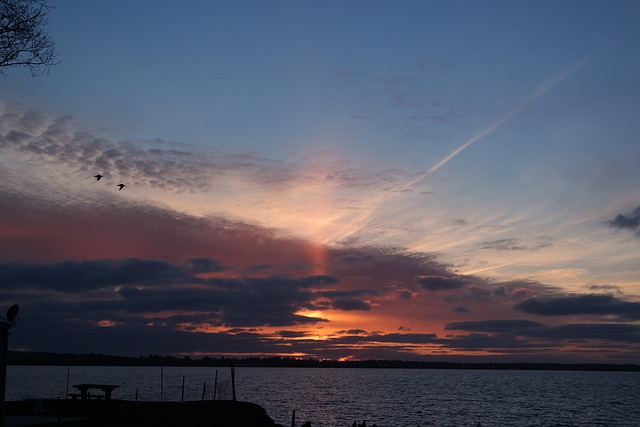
(91, 359)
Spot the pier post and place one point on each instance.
(215, 385)
(4, 341)
(233, 382)
(161, 383)
(135, 409)
(66, 393)
(5, 325)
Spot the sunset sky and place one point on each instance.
(416, 180)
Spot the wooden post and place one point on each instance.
(182, 401)
(67, 393)
(161, 382)
(204, 389)
(59, 412)
(215, 385)
(5, 324)
(213, 406)
(4, 348)
(233, 382)
(293, 418)
(135, 410)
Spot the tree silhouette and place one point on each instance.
(23, 40)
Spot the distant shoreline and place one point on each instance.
(19, 358)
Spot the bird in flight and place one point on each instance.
(97, 177)
(121, 186)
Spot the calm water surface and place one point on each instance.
(387, 397)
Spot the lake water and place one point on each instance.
(387, 397)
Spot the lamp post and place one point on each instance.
(5, 324)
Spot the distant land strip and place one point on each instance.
(69, 359)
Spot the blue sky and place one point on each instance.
(494, 139)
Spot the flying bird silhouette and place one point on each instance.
(97, 177)
(121, 186)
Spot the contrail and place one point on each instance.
(537, 93)
(540, 90)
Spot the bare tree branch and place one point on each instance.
(23, 40)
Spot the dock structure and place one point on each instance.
(84, 389)
(115, 412)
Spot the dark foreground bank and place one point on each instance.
(124, 413)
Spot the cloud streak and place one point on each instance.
(539, 91)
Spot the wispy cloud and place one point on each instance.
(375, 203)
(513, 244)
